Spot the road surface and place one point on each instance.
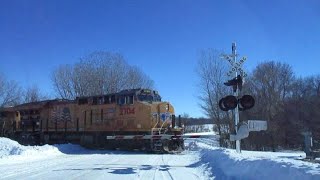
(104, 165)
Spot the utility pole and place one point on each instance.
(236, 94)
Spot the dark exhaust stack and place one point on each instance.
(173, 121)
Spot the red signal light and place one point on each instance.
(228, 103)
(246, 102)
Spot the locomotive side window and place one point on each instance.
(100, 100)
(94, 100)
(125, 99)
(147, 98)
(121, 100)
(107, 100)
(90, 100)
(113, 99)
(130, 99)
(83, 101)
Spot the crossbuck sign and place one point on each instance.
(235, 66)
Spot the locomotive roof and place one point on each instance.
(40, 104)
(140, 90)
(123, 92)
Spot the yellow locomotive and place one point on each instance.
(130, 119)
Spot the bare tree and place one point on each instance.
(271, 84)
(96, 74)
(10, 92)
(211, 70)
(136, 78)
(33, 94)
(62, 82)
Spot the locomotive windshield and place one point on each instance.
(149, 96)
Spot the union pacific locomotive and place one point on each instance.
(130, 119)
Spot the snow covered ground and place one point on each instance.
(201, 160)
(227, 164)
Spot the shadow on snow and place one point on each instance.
(123, 169)
(79, 150)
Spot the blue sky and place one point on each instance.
(163, 38)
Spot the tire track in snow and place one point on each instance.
(150, 170)
(168, 170)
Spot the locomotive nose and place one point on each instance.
(165, 111)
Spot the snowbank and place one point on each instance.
(13, 150)
(222, 163)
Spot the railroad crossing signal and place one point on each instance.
(246, 102)
(235, 66)
(235, 83)
(230, 102)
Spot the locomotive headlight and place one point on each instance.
(167, 107)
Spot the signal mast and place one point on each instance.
(233, 102)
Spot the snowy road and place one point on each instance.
(106, 165)
(202, 160)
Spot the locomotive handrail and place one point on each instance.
(163, 136)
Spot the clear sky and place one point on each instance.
(162, 37)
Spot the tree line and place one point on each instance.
(11, 93)
(98, 73)
(290, 104)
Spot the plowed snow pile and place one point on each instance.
(12, 149)
(221, 163)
